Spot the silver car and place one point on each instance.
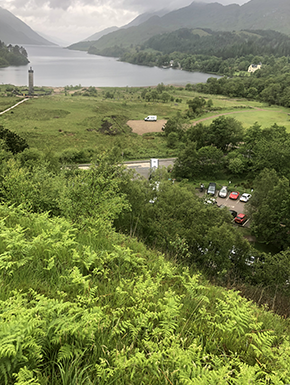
(223, 192)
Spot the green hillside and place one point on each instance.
(221, 44)
(81, 304)
(255, 14)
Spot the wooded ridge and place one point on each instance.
(256, 14)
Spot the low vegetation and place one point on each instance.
(72, 123)
(82, 303)
(105, 277)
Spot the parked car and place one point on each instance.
(249, 261)
(151, 118)
(210, 201)
(241, 218)
(234, 195)
(245, 197)
(223, 192)
(211, 189)
(233, 213)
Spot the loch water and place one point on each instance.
(58, 67)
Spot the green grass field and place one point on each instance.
(62, 121)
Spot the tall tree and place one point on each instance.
(269, 208)
(226, 132)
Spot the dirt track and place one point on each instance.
(141, 127)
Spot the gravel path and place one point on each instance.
(15, 105)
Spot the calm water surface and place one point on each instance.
(57, 66)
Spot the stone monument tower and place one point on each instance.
(30, 80)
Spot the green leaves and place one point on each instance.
(72, 312)
(270, 208)
(91, 198)
(12, 141)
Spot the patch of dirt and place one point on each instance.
(141, 127)
(58, 90)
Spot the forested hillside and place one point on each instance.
(218, 52)
(255, 14)
(221, 44)
(81, 303)
(12, 55)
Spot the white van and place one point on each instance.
(151, 118)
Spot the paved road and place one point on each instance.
(141, 167)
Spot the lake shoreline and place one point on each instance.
(56, 66)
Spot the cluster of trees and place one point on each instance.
(229, 148)
(181, 225)
(270, 209)
(12, 55)
(196, 62)
(157, 94)
(198, 234)
(225, 53)
(225, 150)
(224, 45)
(266, 85)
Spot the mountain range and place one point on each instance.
(15, 31)
(256, 14)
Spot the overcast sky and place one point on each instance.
(74, 20)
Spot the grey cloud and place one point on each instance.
(130, 5)
(63, 4)
(146, 5)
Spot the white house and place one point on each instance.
(254, 67)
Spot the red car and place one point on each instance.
(234, 195)
(241, 218)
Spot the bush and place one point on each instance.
(12, 141)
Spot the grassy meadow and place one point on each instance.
(68, 120)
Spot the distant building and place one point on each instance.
(254, 67)
(30, 81)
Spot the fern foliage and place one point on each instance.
(75, 313)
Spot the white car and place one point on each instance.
(210, 201)
(245, 197)
(155, 188)
(223, 192)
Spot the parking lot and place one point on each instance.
(235, 205)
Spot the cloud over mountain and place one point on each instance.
(74, 20)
